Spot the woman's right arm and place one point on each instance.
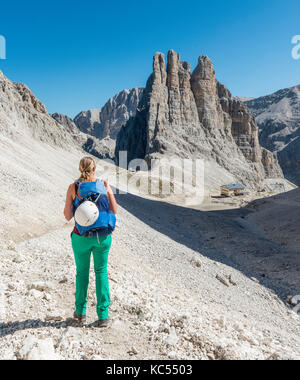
(68, 211)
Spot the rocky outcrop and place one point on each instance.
(28, 97)
(270, 164)
(23, 116)
(245, 132)
(102, 149)
(119, 109)
(243, 126)
(109, 120)
(89, 122)
(37, 349)
(278, 118)
(66, 121)
(204, 87)
(191, 115)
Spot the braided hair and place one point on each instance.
(86, 168)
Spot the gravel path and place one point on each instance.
(168, 301)
(181, 280)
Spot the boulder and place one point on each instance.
(38, 349)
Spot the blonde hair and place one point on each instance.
(86, 167)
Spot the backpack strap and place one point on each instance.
(77, 187)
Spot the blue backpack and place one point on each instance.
(95, 192)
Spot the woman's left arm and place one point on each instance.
(113, 206)
(68, 211)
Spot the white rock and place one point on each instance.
(47, 297)
(284, 356)
(172, 338)
(38, 349)
(8, 354)
(64, 280)
(222, 280)
(248, 337)
(164, 327)
(18, 259)
(97, 357)
(196, 262)
(118, 324)
(172, 355)
(294, 300)
(41, 286)
(35, 294)
(133, 351)
(53, 317)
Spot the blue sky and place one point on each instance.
(76, 55)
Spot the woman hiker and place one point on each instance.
(93, 205)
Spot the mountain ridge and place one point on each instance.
(278, 117)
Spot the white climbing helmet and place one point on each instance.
(86, 214)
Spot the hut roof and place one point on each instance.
(234, 186)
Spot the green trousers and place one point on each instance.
(83, 247)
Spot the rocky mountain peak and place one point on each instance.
(278, 118)
(172, 69)
(159, 69)
(28, 97)
(204, 87)
(106, 122)
(192, 115)
(204, 69)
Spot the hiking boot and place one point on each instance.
(102, 322)
(79, 318)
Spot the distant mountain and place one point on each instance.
(66, 121)
(103, 148)
(243, 98)
(109, 120)
(278, 118)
